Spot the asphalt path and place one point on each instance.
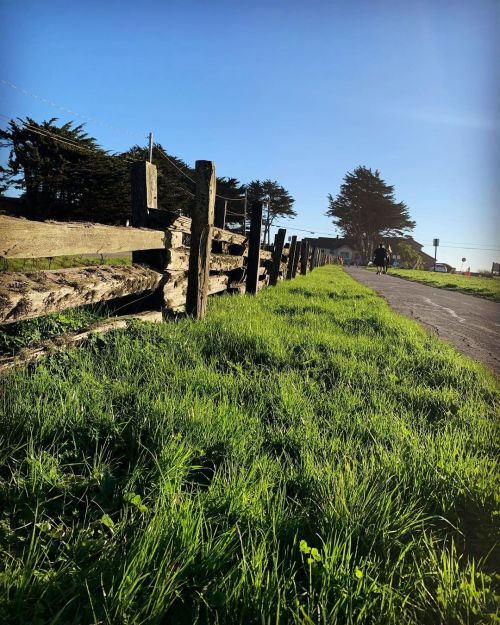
(471, 324)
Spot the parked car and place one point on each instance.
(439, 267)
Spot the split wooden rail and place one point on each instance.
(181, 259)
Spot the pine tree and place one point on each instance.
(63, 173)
(366, 209)
(279, 202)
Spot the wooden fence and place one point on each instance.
(181, 259)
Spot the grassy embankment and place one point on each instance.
(475, 285)
(303, 456)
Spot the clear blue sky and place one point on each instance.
(299, 92)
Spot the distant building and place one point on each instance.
(427, 260)
(347, 249)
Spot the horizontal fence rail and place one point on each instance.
(25, 295)
(182, 260)
(22, 238)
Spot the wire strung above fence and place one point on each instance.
(230, 199)
(179, 169)
(173, 163)
(81, 116)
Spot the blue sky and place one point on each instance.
(299, 92)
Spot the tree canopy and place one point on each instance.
(366, 209)
(409, 257)
(64, 174)
(280, 202)
(234, 191)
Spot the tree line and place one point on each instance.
(63, 173)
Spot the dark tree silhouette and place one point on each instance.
(366, 209)
(279, 199)
(63, 173)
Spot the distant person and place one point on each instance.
(379, 258)
(388, 259)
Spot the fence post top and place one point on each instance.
(202, 163)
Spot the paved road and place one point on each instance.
(470, 323)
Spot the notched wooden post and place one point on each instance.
(291, 257)
(144, 193)
(312, 258)
(304, 253)
(296, 258)
(279, 242)
(144, 199)
(202, 221)
(253, 265)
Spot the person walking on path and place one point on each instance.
(388, 258)
(379, 258)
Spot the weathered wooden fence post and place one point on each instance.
(279, 241)
(220, 213)
(291, 257)
(144, 198)
(253, 263)
(296, 258)
(304, 253)
(312, 258)
(144, 191)
(202, 221)
(145, 214)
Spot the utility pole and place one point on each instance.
(150, 147)
(435, 242)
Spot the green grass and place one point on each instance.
(61, 262)
(303, 456)
(473, 285)
(15, 336)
